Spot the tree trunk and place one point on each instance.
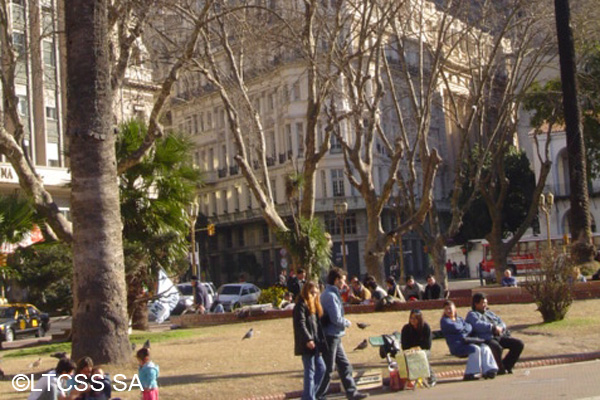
(438, 253)
(99, 295)
(579, 222)
(376, 245)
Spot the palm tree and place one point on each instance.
(580, 220)
(99, 295)
(154, 196)
(17, 217)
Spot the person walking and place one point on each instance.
(334, 327)
(201, 302)
(309, 339)
(490, 327)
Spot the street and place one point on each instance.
(568, 381)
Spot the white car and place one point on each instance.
(236, 295)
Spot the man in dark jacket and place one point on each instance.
(200, 295)
(295, 283)
(433, 290)
(492, 329)
(335, 328)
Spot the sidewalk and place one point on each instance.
(581, 370)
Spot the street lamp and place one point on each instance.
(193, 212)
(546, 203)
(340, 210)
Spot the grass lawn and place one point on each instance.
(214, 363)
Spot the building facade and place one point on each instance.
(37, 29)
(558, 183)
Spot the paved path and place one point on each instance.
(570, 381)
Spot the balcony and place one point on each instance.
(270, 161)
(209, 176)
(222, 172)
(234, 170)
(255, 164)
(282, 158)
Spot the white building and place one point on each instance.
(558, 184)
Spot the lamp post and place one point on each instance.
(546, 203)
(193, 212)
(340, 210)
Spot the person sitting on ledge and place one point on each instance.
(412, 290)
(358, 292)
(508, 280)
(433, 290)
(490, 327)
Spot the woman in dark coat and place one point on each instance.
(417, 333)
(309, 339)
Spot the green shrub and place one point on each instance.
(272, 295)
(552, 287)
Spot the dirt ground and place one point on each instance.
(215, 363)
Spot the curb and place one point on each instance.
(456, 373)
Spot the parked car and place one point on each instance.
(236, 295)
(22, 319)
(186, 295)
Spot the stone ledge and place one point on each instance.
(496, 295)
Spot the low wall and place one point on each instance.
(496, 295)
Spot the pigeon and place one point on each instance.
(133, 346)
(362, 325)
(36, 363)
(249, 334)
(59, 354)
(147, 344)
(362, 345)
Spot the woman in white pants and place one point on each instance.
(456, 331)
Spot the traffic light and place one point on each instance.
(3, 260)
(211, 229)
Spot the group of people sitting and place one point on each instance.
(369, 291)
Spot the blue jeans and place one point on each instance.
(314, 370)
(336, 355)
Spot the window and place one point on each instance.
(23, 106)
(288, 137)
(19, 43)
(270, 101)
(274, 190)
(51, 113)
(241, 242)
(225, 203)
(249, 197)
(236, 198)
(337, 182)
(324, 183)
(300, 133)
(332, 224)
(296, 91)
(265, 233)
(336, 146)
(209, 123)
(49, 58)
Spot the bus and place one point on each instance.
(525, 256)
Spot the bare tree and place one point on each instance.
(532, 48)
(241, 41)
(359, 113)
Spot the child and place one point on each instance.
(148, 373)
